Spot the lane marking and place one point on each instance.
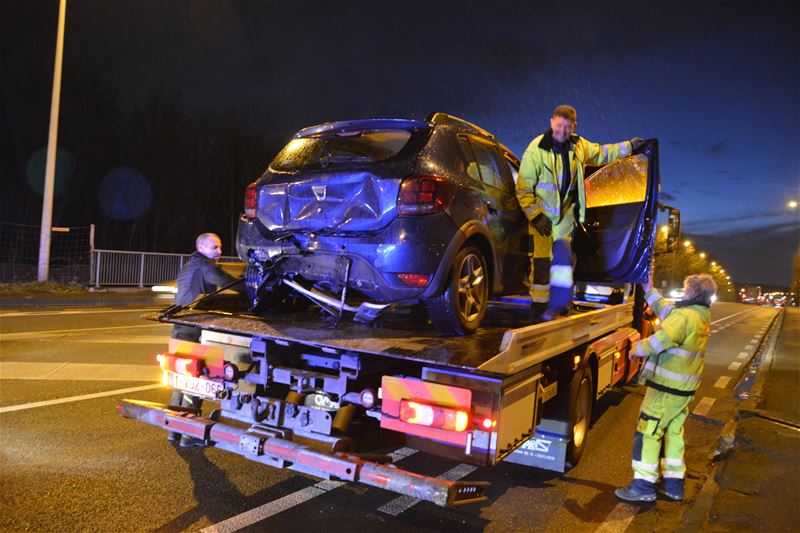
(722, 382)
(731, 316)
(756, 337)
(734, 365)
(92, 311)
(248, 518)
(403, 503)
(742, 355)
(79, 371)
(618, 519)
(23, 406)
(55, 332)
(703, 406)
(714, 331)
(272, 508)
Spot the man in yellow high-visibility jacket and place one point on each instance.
(672, 371)
(552, 194)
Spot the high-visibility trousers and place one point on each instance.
(658, 440)
(552, 264)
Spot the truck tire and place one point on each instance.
(461, 306)
(580, 413)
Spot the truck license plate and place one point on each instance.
(195, 386)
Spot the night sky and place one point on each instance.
(718, 83)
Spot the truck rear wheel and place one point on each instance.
(580, 413)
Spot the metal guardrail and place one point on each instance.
(115, 267)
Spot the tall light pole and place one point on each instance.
(52, 143)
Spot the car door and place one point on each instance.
(615, 243)
(503, 216)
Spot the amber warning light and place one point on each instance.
(434, 416)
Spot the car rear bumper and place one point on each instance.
(413, 245)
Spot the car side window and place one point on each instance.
(513, 170)
(622, 182)
(488, 163)
(472, 165)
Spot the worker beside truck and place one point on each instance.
(672, 372)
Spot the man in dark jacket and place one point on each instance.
(199, 275)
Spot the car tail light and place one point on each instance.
(414, 280)
(423, 195)
(435, 416)
(250, 201)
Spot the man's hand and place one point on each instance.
(542, 224)
(636, 142)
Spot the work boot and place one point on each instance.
(638, 491)
(551, 314)
(188, 442)
(672, 488)
(172, 436)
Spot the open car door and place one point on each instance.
(621, 205)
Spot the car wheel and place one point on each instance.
(461, 306)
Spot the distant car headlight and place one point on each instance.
(165, 289)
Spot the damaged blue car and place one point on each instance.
(359, 215)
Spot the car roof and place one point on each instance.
(369, 123)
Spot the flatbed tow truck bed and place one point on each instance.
(298, 379)
(506, 343)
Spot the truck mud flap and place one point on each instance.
(259, 445)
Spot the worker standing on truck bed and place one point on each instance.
(552, 194)
(199, 275)
(672, 372)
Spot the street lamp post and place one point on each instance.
(52, 143)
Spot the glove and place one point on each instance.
(542, 224)
(636, 142)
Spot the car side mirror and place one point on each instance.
(673, 228)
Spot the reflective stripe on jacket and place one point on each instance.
(541, 169)
(675, 353)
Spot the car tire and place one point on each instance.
(461, 306)
(581, 402)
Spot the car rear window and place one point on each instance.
(327, 149)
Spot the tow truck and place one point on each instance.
(295, 391)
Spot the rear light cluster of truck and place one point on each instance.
(434, 416)
(424, 195)
(187, 366)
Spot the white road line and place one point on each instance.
(714, 331)
(53, 332)
(272, 508)
(730, 316)
(618, 519)
(734, 365)
(79, 371)
(742, 355)
(722, 382)
(756, 337)
(23, 406)
(92, 311)
(403, 503)
(703, 406)
(402, 453)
